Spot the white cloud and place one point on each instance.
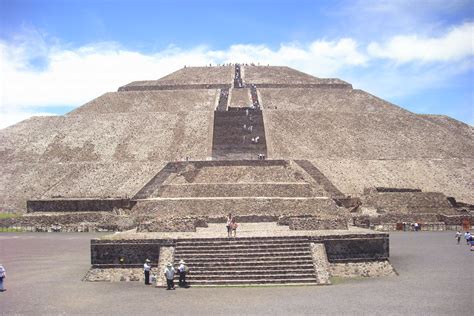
(455, 45)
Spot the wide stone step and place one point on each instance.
(224, 252)
(223, 248)
(243, 243)
(242, 253)
(273, 276)
(240, 258)
(235, 190)
(240, 264)
(210, 273)
(255, 281)
(240, 240)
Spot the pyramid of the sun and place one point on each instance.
(113, 145)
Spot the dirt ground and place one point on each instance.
(45, 271)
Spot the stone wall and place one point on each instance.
(273, 75)
(324, 99)
(379, 136)
(346, 248)
(107, 253)
(150, 101)
(78, 205)
(210, 207)
(339, 248)
(74, 222)
(430, 175)
(413, 202)
(171, 225)
(238, 189)
(315, 223)
(362, 269)
(222, 75)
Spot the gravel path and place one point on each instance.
(44, 273)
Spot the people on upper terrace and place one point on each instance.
(229, 225)
(234, 226)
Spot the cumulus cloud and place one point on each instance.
(455, 45)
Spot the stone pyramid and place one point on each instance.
(114, 145)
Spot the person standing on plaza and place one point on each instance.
(169, 274)
(182, 270)
(3, 275)
(467, 236)
(146, 270)
(458, 236)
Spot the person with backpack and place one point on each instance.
(3, 275)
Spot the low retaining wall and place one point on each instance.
(108, 253)
(314, 223)
(339, 248)
(356, 248)
(78, 205)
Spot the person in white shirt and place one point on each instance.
(467, 236)
(3, 275)
(182, 270)
(146, 270)
(169, 274)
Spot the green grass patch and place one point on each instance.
(11, 230)
(8, 215)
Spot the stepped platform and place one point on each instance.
(263, 253)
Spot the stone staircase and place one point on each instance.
(223, 99)
(238, 78)
(155, 182)
(232, 141)
(251, 260)
(320, 178)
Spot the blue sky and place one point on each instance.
(57, 55)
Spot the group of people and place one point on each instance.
(468, 237)
(231, 225)
(169, 273)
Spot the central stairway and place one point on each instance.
(252, 260)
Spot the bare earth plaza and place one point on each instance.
(283, 193)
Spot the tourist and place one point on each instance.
(169, 274)
(234, 226)
(229, 225)
(416, 226)
(458, 236)
(467, 236)
(146, 270)
(3, 275)
(182, 270)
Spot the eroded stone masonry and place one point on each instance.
(306, 165)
